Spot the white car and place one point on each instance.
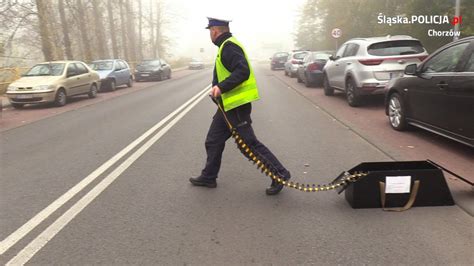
(363, 66)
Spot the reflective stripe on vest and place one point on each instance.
(245, 92)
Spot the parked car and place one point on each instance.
(278, 60)
(311, 70)
(196, 64)
(363, 66)
(113, 73)
(293, 62)
(53, 82)
(153, 69)
(438, 95)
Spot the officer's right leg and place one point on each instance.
(217, 135)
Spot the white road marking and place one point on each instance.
(16, 236)
(41, 240)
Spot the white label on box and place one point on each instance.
(397, 184)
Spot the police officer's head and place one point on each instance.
(217, 27)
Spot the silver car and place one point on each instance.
(363, 66)
(295, 59)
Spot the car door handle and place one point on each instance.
(337, 64)
(442, 85)
(348, 63)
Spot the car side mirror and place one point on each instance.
(411, 70)
(332, 58)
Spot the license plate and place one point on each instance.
(145, 75)
(24, 96)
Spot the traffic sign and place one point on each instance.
(336, 33)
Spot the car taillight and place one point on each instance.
(294, 61)
(313, 67)
(371, 62)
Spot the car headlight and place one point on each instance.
(12, 88)
(42, 87)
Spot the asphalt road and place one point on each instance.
(142, 209)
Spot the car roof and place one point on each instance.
(384, 38)
(60, 61)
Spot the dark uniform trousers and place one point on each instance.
(219, 133)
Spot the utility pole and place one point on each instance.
(456, 14)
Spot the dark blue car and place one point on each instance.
(311, 69)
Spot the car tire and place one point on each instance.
(112, 85)
(353, 99)
(160, 76)
(298, 79)
(328, 90)
(396, 112)
(130, 82)
(61, 98)
(93, 91)
(17, 105)
(292, 75)
(306, 81)
(286, 73)
(169, 76)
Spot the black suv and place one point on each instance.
(153, 69)
(438, 95)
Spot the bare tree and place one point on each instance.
(152, 31)
(123, 29)
(110, 11)
(99, 29)
(140, 27)
(130, 31)
(45, 32)
(81, 17)
(65, 29)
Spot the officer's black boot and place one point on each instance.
(276, 187)
(204, 182)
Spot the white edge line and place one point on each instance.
(16, 236)
(41, 240)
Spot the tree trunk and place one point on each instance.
(152, 31)
(45, 32)
(64, 25)
(84, 31)
(131, 31)
(110, 12)
(140, 35)
(123, 29)
(157, 45)
(99, 30)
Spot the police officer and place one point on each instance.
(235, 87)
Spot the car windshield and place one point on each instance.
(102, 65)
(299, 55)
(389, 48)
(150, 63)
(321, 56)
(281, 55)
(53, 69)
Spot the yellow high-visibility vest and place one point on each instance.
(245, 92)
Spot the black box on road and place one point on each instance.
(395, 183)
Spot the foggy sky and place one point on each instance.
(255, 23)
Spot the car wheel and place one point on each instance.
(160, 76)
(351, 93)
(292, 75)
(169, 76)
(396, 112)
(306, 81)
(61, 98)
(17, 105)
(93, 91)
(298, 79)
(112, 85)
(328, 90)
(130, 82)
(286, 73)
